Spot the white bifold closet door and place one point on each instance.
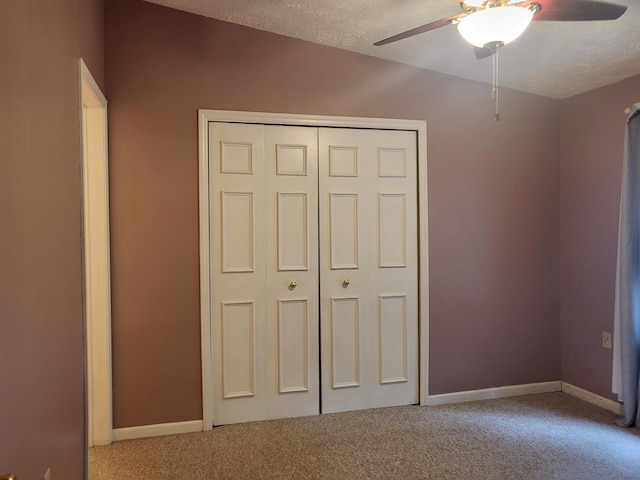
(368, 268)
(313, 268)
(264, 271)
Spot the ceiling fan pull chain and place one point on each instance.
(494, 91)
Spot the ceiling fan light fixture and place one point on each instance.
(497, 25)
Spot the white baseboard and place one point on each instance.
(497, 392)
(145, 431)
(593, 398)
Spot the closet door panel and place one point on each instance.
(238, 349)
(264, 270)
(291, 282)
(293, 345)
(345, 342)
(343, 231)
(293, 232)
(368, 245)
(237, 266)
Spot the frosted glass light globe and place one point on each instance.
(497, 24)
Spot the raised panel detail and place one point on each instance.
(293, 355)
(236, 158)
(293, 226)
(291, 159)
(237, 232)
(392, 231)
(343, 161)
(393, 338)
(392, 162)
(238, 349)
(345, 342)
(343, 224)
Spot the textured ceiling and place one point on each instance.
(553, 59)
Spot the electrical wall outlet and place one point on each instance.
(606, 340)
(47, 475)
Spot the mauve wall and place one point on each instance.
(493, 198)
(42, 411)
(593, 126)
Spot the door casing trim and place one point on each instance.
(206, 116)
(96, 259)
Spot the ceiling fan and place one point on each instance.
(491, 24)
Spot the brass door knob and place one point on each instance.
(345, 283)
(293, 285)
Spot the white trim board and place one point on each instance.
(593, 398)
(96, 258)
(491, 393)
(159, 430)
(526, 389)
(145, 431)
(206, 116)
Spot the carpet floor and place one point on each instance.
(546, 436)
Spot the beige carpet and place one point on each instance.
(546, 436)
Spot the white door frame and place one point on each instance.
(96, 259)
(206, 116)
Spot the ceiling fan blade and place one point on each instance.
(576, 11)
(422, 29)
